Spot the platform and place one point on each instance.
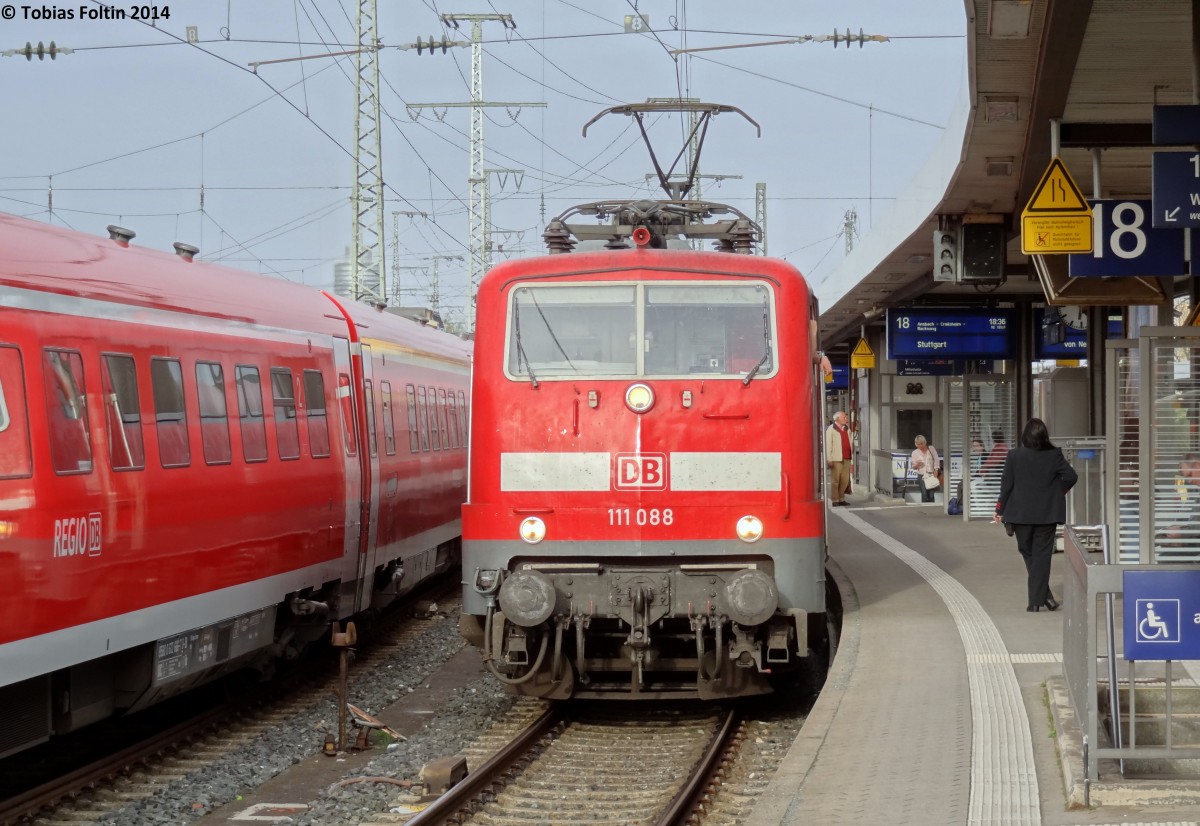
(945, 704)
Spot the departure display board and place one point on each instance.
(930, 333)
(1074, 343)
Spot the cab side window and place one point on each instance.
(122, 412)
(166, 378)
(16, 457)
(66, 411)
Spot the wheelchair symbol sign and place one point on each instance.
(1157, 620)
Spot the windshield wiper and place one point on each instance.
(766, 345)
(521, 357)
(754, 370)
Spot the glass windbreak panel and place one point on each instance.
(570, 331)
(722, 329)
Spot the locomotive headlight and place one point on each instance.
(749, 529)
(639, 398)
(533, 530)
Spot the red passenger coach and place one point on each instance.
(645, 515)
(200, 470)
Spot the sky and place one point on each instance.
(186, 141)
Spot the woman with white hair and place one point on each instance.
(924, 461)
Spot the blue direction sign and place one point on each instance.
(841, 378)
(1175, 189)
(950, 334)
(1162, 615)
(1125, 243)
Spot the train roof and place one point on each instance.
(604, 261)
(40, 256)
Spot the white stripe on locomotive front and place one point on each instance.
(590, 472)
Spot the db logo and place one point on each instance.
(641, 471)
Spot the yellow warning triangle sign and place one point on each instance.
(862, 348)
(1057, 193)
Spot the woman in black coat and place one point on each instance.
(1033, 488)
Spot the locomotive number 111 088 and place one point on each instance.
(641, 516)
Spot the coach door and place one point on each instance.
(347, 402)
(369, 490)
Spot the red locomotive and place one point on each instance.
(200, 470)
(645, 515)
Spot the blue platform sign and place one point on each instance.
(913, 367)
(950, 334)
(841, 378)
(1162, 615)
(1074, 343)
(1175, 189)
(1125, 243)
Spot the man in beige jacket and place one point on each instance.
(838, 454)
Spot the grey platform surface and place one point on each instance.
(945, 703)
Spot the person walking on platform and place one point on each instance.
(838, 454)
(1033, 490)
(924, 461)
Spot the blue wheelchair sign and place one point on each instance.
(1162, 615)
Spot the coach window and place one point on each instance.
(452, 417)
(442, 418)
(423, 418)
(389, 422)
(410, 398)
(122, 412)
(214, 413)
(166, 379)
(346, 397)
(369, 396)
(250, 414)
(16, 457)
(462, 416)
(435, 434)
(287, 434)
(318, 418)
(66, 410)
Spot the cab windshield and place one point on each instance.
(648, 329)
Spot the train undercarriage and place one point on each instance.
(706, 631)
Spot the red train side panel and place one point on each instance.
(193, 465)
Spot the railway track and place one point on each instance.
(98, 790)
(603, 764)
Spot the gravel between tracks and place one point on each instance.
(461, 719)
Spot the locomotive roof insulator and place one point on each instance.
(121, 235)
(187, 252)
(557, 237)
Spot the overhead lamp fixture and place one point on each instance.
(1000, 167)
(1009, 19)
(1001, 108)
(918, 259)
